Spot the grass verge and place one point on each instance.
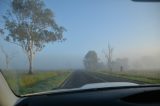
(148, 77)
(23, 84)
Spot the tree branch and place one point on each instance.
(15, 43)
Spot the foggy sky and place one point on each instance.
(132, 29)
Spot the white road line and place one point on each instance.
(66, 81)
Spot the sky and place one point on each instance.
(131, 28)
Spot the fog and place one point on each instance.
(132, 29)
(146, 63)
(73, 62)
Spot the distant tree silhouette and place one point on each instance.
(121, 68)
(7, 57)
(91, 60)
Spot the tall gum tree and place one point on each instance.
(30, 25)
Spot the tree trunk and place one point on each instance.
(30, 66)
(30, 55)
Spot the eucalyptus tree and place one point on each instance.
(30, 25)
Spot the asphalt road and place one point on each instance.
(79, 78)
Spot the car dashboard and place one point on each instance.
(118, 96)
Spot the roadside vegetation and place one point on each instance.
(23, 83)
(146, 76)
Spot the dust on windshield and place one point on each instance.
(65, 44)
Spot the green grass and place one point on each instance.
(145, 76)
(22, 83)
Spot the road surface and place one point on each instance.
(79, 78)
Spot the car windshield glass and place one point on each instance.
(50, 45)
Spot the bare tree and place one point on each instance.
(7, 57)
(109, 56)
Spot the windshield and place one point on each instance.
(65, 44)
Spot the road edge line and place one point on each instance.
(65, 81)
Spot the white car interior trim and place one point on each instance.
(7, 97)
